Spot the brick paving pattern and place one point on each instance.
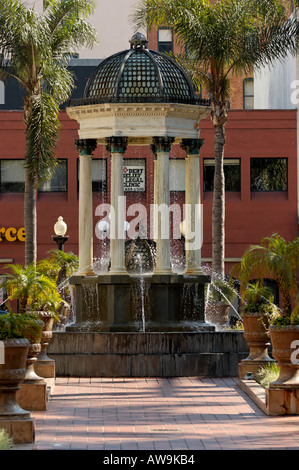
(158, 414)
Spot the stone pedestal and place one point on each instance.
(45, 369)
(281, 401)
(21, 430)
(33, 397)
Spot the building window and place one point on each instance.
(248, 93)
(12, 176)
(58, 182)
(177, 169)
(165, 40)
(268, 174)
(99, 174)
(232, 174)
(134, 175)
(2, 92)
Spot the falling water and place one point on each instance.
(142, 293)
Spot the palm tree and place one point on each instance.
(222, 38)
(59, 266)
(31, 288)
(273, 257)
(34, 50)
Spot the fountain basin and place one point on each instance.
(123, 303)
(135, 354)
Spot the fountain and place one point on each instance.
(140, 316)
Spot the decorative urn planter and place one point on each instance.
(44, 365)
(217, 313)
(12, 373)
(256, 336)
(285, 342)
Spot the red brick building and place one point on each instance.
(261, 170)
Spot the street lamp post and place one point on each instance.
(60, 229)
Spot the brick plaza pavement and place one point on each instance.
(177, 414)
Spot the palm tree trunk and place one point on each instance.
(218, 216)
(30, 220)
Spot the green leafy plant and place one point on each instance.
(15, 325)
(276, 258)
(267, 374)
(59, 266)
(260, 299)
(34, 290)
(222, 291)
(6, 442)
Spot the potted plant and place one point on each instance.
(34, 336)
(257, 313)
(59, 266)
(15, 329)
(36, 293)
(219, 300)
(277, 258)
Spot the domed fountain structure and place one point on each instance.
(139, 97)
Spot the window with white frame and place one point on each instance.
(165, 40)
(248, 93)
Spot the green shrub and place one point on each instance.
(267, 374)
(17, 325)
(6, 442)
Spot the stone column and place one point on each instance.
(192, 223)
(161, 147)
(117, 147)
(85, 148)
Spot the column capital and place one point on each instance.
(192, 146)
(86, 146)
(116, 144)
(162, 144)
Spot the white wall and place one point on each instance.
(272, 85)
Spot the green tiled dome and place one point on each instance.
(138, 75)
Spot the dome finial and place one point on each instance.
(138, 41)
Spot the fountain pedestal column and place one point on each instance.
(85, 148)
(117, 147)
(161, 148)
(192, 225)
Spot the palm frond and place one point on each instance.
(42, 134)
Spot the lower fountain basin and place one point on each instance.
(123, 303)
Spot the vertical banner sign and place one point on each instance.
(134, 178)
